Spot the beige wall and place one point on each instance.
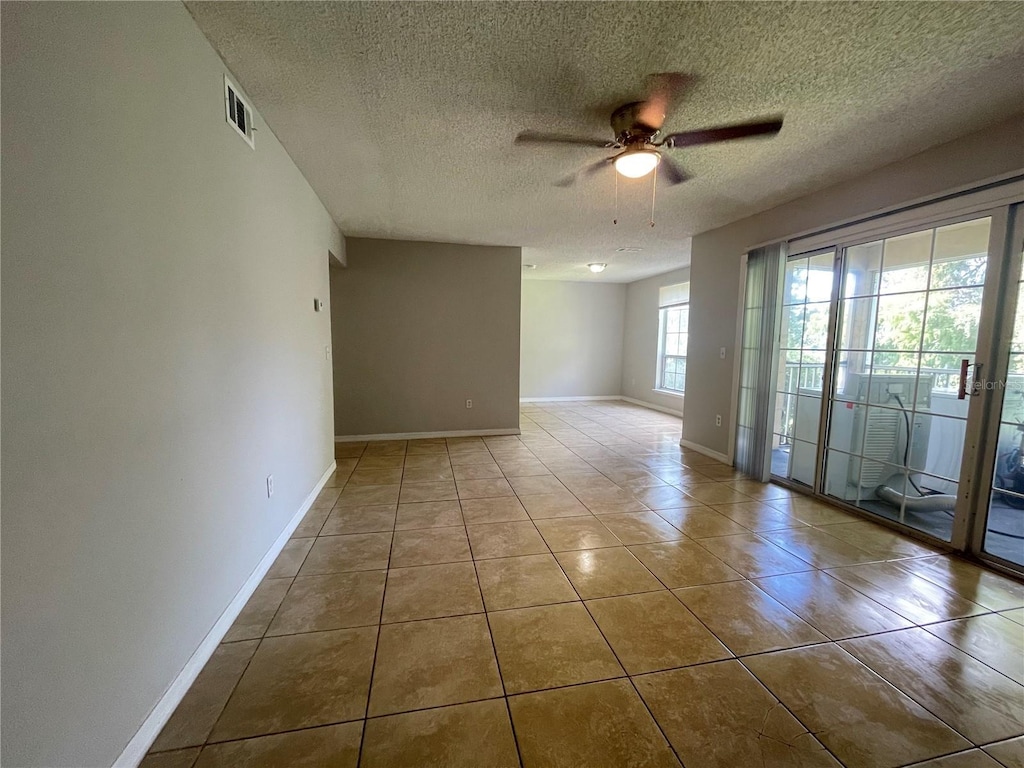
(640, 340)
(419, 328)
(571, 339)
(161, 357)
(717, 256)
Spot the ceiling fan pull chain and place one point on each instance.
(654, 193)
(616, 219)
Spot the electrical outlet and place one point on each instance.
(270, 486)
(718, 420)
(469, 403)
(721, 354)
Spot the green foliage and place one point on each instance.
(941, 322)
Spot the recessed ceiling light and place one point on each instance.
(529, 266)
(629, 249)
(595, 268)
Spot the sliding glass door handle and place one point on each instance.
(962, 390)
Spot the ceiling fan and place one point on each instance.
(637, 128)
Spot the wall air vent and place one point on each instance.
(238, 112)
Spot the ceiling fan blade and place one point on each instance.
(669, 170)
(536, 137)
(724, 133)
(663, 91)
(593, 168)
(568, 181)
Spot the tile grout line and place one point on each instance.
(259, 644)
(494, 648)
(910, 696)
(376, 644)
(780, 703)
(612, 649)
(630, 678)
(263, 635)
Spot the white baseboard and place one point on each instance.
(634, 401)
(161, 713)
(567, 399)
(705, 451)
(424, 435)
(652, 406)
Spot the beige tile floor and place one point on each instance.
(589, 594)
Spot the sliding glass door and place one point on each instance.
(898, 387)
(803, 344)
(1000, 525)
(910, 312)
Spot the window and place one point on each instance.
(674, 308)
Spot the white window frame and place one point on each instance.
(662, 334)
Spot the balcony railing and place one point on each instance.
(797, 377)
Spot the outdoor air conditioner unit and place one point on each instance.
(869, 421)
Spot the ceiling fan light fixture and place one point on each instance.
(595, 268)
(636, 163)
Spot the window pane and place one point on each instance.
(812, 370)
(673, 373)
(863, 264)
(953, 318)
(673, 294)
(899, 321)
(802, 468)
(961, 254)
(1017, 343)
(795, 288)
(785, 415)
(672, 345)
(673, 320)
(857, 323)
(905, 262)
(820, 276)
(792, 330)
(815, 326)
(940, 373)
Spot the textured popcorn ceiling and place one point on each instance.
(402, 115)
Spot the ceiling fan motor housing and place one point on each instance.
(628, 128)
